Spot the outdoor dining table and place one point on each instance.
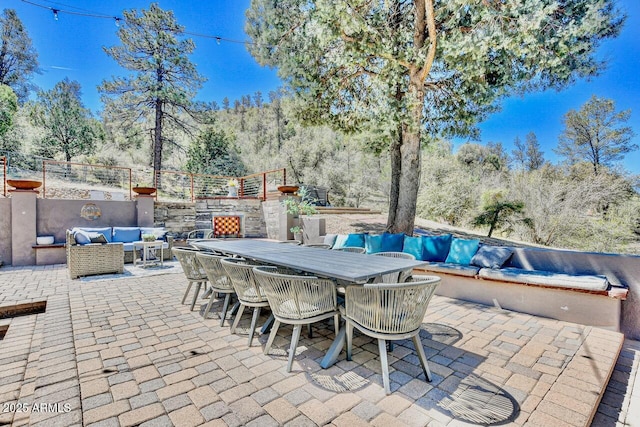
(332, 264)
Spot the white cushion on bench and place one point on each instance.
(546, 278)
(451, 268)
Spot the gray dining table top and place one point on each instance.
(348, 266)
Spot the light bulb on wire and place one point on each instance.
(55, 13)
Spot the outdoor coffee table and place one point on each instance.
(147, 247)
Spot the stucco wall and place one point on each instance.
(55, 216)
(5, 230)
(621, 270)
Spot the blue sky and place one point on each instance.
(71, 46)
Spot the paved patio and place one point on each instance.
(123, 351)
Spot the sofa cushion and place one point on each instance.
(491, 256)
(82, 237)
(413, 246)
(547, 278)
(436, 248)
(373, 243)
(443, 267)
(159, 232)
(104, 230)
(126, 234)
(462, 250)
(344, 240)
(392, 242)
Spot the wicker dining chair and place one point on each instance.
(249, 293)
(297, 300)
(390, 312)
(355, 249)
(192, 269)
(398, 277)
(219, 281)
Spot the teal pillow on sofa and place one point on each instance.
(436, 248)
(373, 243)
(462, 251)
(392, 242)
(413, 246)
(355, 239)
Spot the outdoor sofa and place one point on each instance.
(563, 285)
(101, 250)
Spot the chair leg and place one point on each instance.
(209, 304)
(294, 344)
(349, 330)
(184, 298)
(336, 323)
(272, 335)
(382, 347)
(254, 320)
(225, 307)
(309, 331)
(195, 295)
(237, 319)
(422, 356)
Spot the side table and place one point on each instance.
(147, 247)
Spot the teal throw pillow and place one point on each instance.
(462, 251)
(436, 248)
(355, 239)
(126, 234)
(392, 242)
(413, 246)
(374, 243)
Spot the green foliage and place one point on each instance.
(528, 156)
(297, 206)
(8, 108)
(353, 64)
(68, 126)
(211, 153)
(596, 134)
(164, 82)
(18, 58)
(497, 211)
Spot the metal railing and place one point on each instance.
(187, 186)
(74, 180)
(69, 176)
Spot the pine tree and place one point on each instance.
(164, 82)
(18, 58)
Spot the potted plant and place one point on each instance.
(297, 207)
(232, 186)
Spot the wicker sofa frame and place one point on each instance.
(94, 258)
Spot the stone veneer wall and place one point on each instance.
(249, 209)
(178, 217)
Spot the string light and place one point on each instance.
(118, 20)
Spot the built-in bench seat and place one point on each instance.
(563, 285)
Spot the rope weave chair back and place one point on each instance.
(402, 255)
(355, 249)
(240, 271)
(391, 308)
(190, 264)
(296, 297)
(401, 276)
(215, 271)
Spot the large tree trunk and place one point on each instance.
(157, 140)
(408, 181)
